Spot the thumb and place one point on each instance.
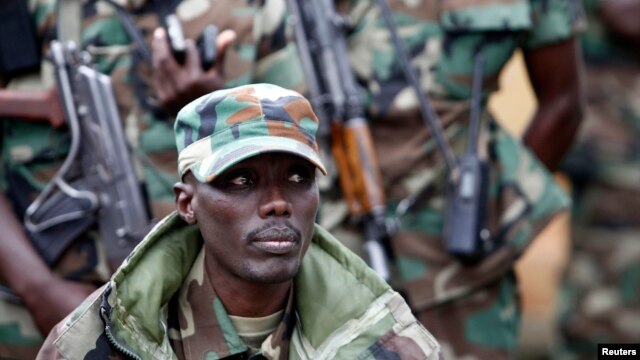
(223, 41)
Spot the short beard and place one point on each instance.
(277, 276)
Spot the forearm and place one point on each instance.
(21, 268)
(556, 75)
(553, 129)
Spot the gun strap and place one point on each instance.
(476, 103)
(69, 18)
(428, 114)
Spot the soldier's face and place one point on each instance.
(257, 218)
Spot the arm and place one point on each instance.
(32, 106)
(22, 269)
(555, 72)
(621, 18)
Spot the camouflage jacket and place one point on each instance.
(458, 302)
(442, 39)
(342, 310)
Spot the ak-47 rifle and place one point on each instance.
(96, 183)
(320, 37)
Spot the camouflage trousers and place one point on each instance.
(600, 298)
(19, 337)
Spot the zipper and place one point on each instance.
(105, 313)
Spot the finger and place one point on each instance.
(162, 57)
(164, 65)
(159, 46)
(192, 62)
(223, 41)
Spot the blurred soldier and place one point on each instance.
(31, 152)
(473, 310)
(600, 302)
(240, 270)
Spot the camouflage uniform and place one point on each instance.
(161, 303)
(473, 311)
(358, 317)
(600, 302)
(31, 153)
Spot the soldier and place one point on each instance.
(32, 152)
(473, 310)
(241, 269)
(599, 300)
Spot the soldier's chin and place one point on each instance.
(272, 275)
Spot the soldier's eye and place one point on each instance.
(238, 179)
(301, 174)
(297, 178)
(241, 180)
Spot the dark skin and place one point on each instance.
(48, 297)
(555, 72)
(257, 220)
(177, 84)
(621, 18)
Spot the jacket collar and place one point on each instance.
(143, 286)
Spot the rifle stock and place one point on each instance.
(36, 106)
(363, 161)
(334, 94)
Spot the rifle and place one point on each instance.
(96, 182)
(320, 37)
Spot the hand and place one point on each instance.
(54, 300)
(176, 85)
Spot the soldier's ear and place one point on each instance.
(183, 194)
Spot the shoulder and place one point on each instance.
(81, 333)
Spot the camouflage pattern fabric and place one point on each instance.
(191, 332)
(600, 301)
(225, 127)
(31, 153)
(472, 310)
(339, 310)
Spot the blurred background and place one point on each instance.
(540, 269)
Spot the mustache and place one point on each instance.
(275, 231)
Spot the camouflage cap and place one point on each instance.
(220, 129)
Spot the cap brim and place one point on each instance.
(216, 163)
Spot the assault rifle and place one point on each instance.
(96, 183)
(320, 37)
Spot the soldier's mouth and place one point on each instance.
(280, 239)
